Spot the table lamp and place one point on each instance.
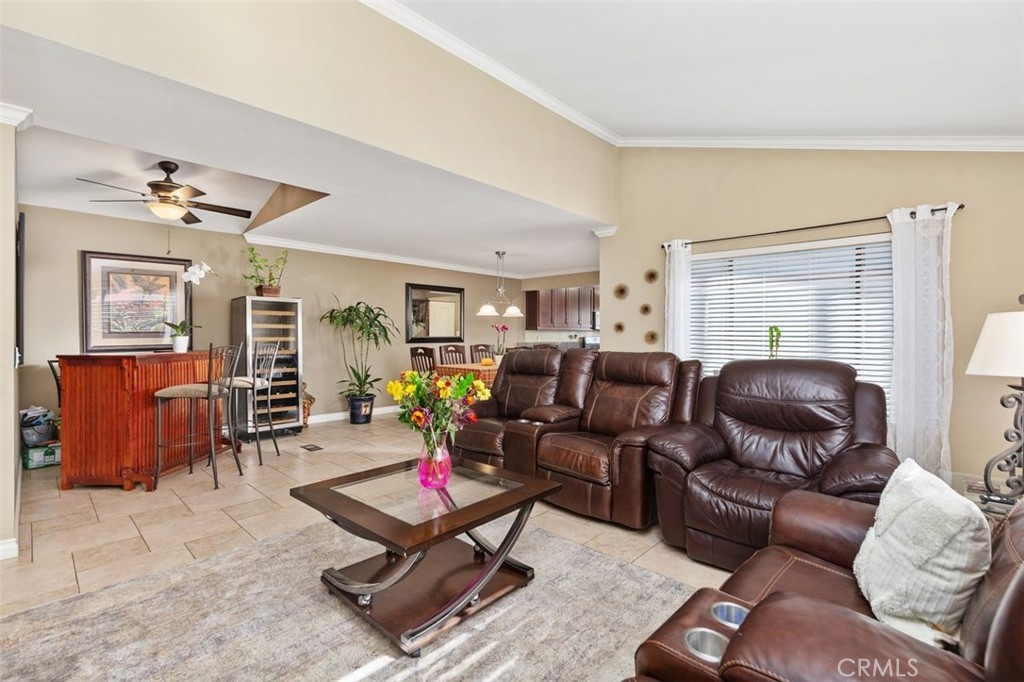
(1000, 353)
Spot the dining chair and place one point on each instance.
(452, 353)
(264, 359)
(479, 351)
(220, 372)
(423, 359)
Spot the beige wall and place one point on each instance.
(696, 194)
(10, 462)
(345, 68)
(52, 298)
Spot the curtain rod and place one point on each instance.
(913, 214)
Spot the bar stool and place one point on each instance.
(220, 371)
(264, 359)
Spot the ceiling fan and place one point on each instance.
(169, 200)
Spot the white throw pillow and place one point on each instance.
(922, 560)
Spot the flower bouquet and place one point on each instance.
(502, 329)
(437, 407)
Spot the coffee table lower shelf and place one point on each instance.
(441, 575)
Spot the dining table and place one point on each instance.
(485, 373)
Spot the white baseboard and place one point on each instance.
(343, 416)
(8, 548)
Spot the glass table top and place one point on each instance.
(400, 495)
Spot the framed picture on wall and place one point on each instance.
(126, 300)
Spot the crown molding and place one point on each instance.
(403, 16)
(952, 143)
(259, 240)
(13, 115)
(602, 232)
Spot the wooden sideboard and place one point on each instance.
(108, 416)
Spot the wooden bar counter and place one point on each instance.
(108, 416)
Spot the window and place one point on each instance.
(831, 302)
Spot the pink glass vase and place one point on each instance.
(435, 467)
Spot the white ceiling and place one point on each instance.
(905, 75)
(811, 74)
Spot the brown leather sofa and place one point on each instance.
(808, 620)
(763, 428)
(599, 453)
(525, 378)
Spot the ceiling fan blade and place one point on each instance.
(239, 212)
(124, 189)
(190, 218)
(186, 192)
(118, 201)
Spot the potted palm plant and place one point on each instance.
(360, 326)
(266, 275)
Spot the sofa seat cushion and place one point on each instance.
(577, 454)
(730, 501)
(777, 568)
(485, 435)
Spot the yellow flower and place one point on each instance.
(479, 385)
(408, 374)
(409, 389)
(395, 390)
(483, 393)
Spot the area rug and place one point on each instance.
(261, 613)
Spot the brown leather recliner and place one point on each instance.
(600, 457)
(763, 428)
(525, 378)
(809, 621)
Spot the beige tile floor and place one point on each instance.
(74, 541)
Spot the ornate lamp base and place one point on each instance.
(1012, 458)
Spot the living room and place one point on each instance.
(392, 89)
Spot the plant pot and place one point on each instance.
(269, 291)
(360, 409)
(180, 344)
(498, 358)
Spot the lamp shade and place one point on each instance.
(512, 311)
(167, 210)
(487, 310)
(1000, 348)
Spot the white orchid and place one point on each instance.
(196, 273)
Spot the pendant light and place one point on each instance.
(489, 309)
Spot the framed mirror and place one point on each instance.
(433, 314)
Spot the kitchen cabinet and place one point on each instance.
(565, 309)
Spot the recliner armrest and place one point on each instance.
(792, 637)
(688, 445)
(486, 409)
(549, 414)
(862, 468)
(830, 528)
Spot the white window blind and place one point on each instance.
(832, 303)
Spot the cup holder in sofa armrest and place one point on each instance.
(729, 613)
(706, 644)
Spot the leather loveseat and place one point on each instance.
(525, 379)
(598, 453)
(763, 428)
(808, 620)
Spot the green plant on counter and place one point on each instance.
(181, 328)
(265, 273)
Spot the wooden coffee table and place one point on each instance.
(427, 580)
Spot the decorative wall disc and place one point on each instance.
(652, 337)
(651, 276)
(621, 291)
(619, 327)
(645, 309)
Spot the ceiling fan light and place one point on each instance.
(487, 310)
(513, 311)
(167, 210)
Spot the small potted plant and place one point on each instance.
(266, 275)
(180, 334)
(361, 326)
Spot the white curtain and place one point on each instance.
(922, 393)
(678, 255)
